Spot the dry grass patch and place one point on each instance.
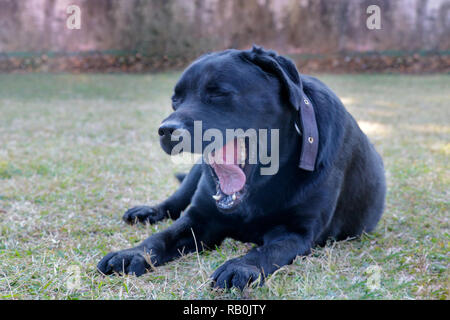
(77, 150)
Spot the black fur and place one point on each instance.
(286, 214)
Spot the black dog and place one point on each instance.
(330, 183)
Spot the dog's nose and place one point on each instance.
(168, 127)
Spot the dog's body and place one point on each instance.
(285, 214)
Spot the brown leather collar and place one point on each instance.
(309, 136)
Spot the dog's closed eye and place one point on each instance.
(217, 94)
(215, 91)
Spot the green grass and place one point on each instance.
(77, 150)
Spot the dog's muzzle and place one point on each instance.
(167, 130)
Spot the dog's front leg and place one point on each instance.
(261, 261)
(183, 236)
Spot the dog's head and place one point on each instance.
(244, 92)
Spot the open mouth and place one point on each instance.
(230, 171)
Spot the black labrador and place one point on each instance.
(329, 184)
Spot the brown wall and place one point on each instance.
(180, 27)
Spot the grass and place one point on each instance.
(77, 150)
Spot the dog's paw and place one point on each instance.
(130, 261)
(144, 214)
(235, 273)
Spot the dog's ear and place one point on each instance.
(284, 69)
(286, 72)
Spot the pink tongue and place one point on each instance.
(231, 177)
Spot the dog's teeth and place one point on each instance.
(233, 196)
(217, 197)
